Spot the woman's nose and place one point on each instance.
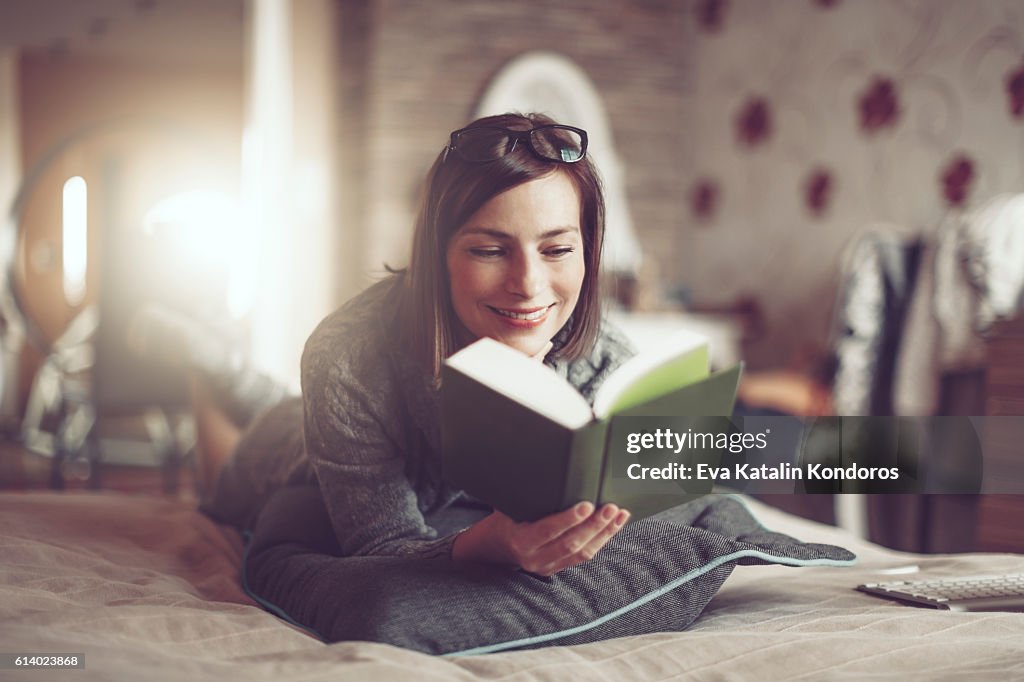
(526, 277)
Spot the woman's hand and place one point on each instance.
(545, 546)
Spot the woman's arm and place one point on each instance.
(355, 435)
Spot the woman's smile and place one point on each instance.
(524, 317)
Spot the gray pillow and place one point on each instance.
(656, 575)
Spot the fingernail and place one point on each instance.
(584, 509)
(622, 518)
(607, 513)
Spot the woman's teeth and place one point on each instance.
(535, 315)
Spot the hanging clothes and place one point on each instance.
(879, 271)
(971, 276)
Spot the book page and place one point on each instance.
(682, 360)
(524, 380)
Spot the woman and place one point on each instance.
(507, 245)
(354, 533)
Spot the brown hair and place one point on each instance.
(454, 190)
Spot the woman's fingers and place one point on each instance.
(575, 539)
(555, 525)
(607, 533)
(543, 547)
(580, 543)
(584, 548)
(523, 541)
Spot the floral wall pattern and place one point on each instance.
(808, 120)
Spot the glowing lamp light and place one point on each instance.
(204, 229)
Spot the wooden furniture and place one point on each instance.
(1005, 378)
(1001, 517)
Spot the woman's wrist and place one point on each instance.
(480, 542)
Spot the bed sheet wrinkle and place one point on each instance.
(577, 662)
(572, 668)
(772, 623)
(749, 659)
(933, 656)
(223, 647)
(45, 553)
(759, 652)
(663, 649)
(377, 661)
(112, 587)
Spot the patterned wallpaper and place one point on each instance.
(808, 119)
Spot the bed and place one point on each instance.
(147, 588)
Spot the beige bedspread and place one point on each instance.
(148, 589)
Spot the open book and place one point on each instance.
(522, 439)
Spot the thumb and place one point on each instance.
(543, 352)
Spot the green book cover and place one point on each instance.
(520, 438)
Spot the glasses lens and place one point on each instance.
(483, 144)
(558, 144)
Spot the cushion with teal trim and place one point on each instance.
(655, 575)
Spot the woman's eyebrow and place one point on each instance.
(559, 231)
(498, 234)
(487, 231)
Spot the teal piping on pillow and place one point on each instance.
(742, 499)
(711, 565)
(270, 606)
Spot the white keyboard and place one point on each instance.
(978, 593)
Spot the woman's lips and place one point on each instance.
(523, 318)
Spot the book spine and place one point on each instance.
(586, 464)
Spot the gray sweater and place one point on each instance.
(370, 427)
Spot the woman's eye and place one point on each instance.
(559, 251)
(484, 252)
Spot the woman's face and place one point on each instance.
(516, 266)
